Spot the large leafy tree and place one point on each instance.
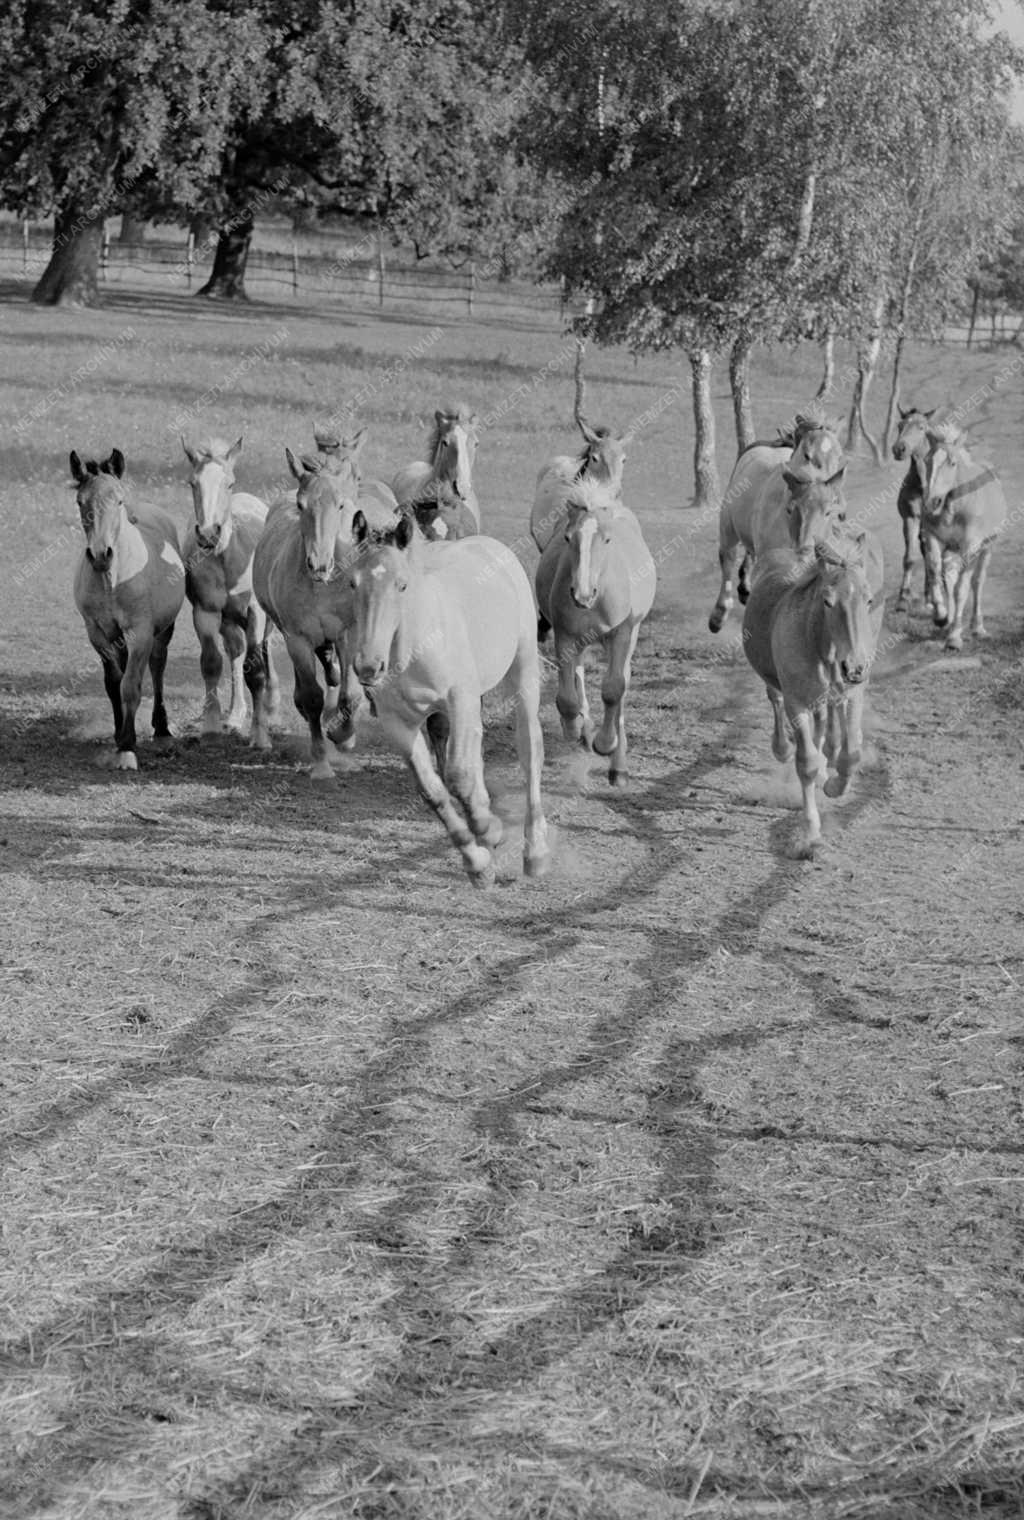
(737, 165)
(102, 99)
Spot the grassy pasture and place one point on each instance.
(684, 1182)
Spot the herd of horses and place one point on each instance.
(388, 593)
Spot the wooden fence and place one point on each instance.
(346, 276)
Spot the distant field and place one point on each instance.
(685, 1182)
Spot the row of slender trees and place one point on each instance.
(709, 176)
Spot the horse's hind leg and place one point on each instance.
(438, 729)
(744, 577)
(956, 575)
(525, 682)
(610, 738)
(934, 578)
(254, 668)
(236, 642)
(782, 743)
(211, 665)
(157, 666)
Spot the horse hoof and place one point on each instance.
(163, 743)
(493, 834)
(835, 786)
(536, 865)
(617, 778)
(715, 621)
(954, 646)
(321, 771)
(126, 760)
(743, 592)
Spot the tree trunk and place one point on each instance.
(867, 360)
(894, 394)
(227, 279)
(976, 297)
(133, 228)
(828, 374)
(739, 384)
(71, 278)
(707, 486)
(579, 382)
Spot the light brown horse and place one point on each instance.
(439, 490)
(219, 548)
(964, 509)
(602, 460)
(436, 626)
(595, 585)
(758, 501)
(911, 442)
(300, 577)
(129, 587)
(810, 631)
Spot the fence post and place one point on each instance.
(104, 251)
(471, 288)
(380, 265)
(295, 266)
(24, 246)
(190, 253)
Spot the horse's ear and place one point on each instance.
(190, 453)
(360, 528)
(405, 531)
(234, 451)
(925, 414)
(837, 478)
(473, 421)
(311, 466)
(115, 464)
(356, 442)
(905, 414)
(78, 473)
(587, 431)
(791, 480)
(293, 464)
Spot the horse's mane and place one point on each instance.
(592, 496)
(949, 435)
(789, 436)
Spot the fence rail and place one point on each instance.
(347, 279)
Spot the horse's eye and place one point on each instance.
(401, 585)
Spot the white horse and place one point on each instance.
(602, 461)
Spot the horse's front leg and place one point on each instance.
(255, 668)
(808, 768)
(978, 582)
(932, 549)
(730, 550)
(211, 665)
(341, 720)
(309, 699)
(610, 738)
(957, 581)
(236, 643)
(464, 768)
(476, 857)
(571, 696)
(910, 536)
(849, 709)
(140, 644)
(157, 666)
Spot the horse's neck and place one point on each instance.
(422, 622)
(131, 552)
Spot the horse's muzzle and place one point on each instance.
(899, 451)
(584, 602)
(320, 573)
(208, 538)
(369, 673)
(99, 560)
(853, 674)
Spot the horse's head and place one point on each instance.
(102, 505)
(812, 504)
(816, 449)
(847, 603)
(326, 502)
(604, 456)
(453, 449)
(588, 534)
(212, 479)
(340, 455)
(939, 469)
(911, 433)
(379, 579)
